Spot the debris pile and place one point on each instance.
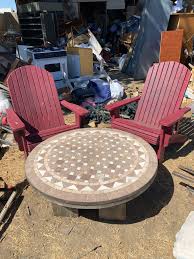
(79, 50)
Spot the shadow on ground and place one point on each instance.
(151, 202)
(147, 205)
(115, 74)
(123, 78)
(3, 151)
(174, 151)
(178, 150)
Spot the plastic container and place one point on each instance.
(184, 245)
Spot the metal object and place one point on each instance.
(188, 187)
(7, 205)
(183, 177)
(54, 60)
(16, 193)
(187, 170)
(191, 180)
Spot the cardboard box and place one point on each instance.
(79, 62)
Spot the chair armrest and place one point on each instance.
(117, 105)
(14, 121)
(75, 108)
(174, 118)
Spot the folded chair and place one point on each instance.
(36, 113)
(159, 107)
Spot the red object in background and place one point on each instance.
(158, 109)
(3, 119)
(36, 113)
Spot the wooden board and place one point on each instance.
(171, 45)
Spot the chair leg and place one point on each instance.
(161, 148)
(160, 153)
(25, 147)
(78, 120)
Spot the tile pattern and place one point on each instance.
(90, 162)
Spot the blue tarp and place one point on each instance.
(146, 51)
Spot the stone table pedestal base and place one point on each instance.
(113, 213)
(60, 211)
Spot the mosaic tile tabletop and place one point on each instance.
(92, 168)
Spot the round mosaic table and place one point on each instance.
(92, 168)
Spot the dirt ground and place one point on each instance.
(154, 218)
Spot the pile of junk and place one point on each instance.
(80, 63)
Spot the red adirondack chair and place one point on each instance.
(158, 109)
(36, 113)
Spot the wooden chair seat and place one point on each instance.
(37, 113)
(149, 134)
(159, 107)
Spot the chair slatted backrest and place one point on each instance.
(163, 92)
(34, 98)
